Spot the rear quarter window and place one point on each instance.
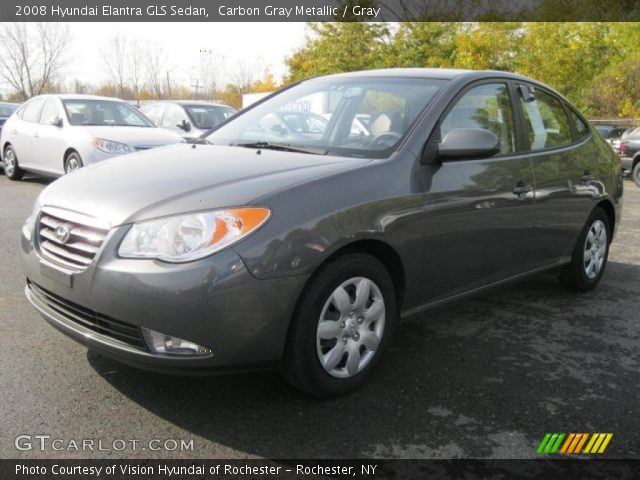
(546, 123)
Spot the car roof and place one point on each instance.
(78, 96)
(437, 73)
(188, 102)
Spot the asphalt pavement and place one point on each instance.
(486, 378)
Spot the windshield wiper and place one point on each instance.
(284, 147)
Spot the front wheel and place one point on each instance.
(636, 174)
(72, 162)
(11, 168)
(590, 254)
(341, 327)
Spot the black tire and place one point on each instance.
(635, 174)
(13, 172)
(574, 275)
(301, 364)
(71, 160)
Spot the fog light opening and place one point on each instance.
(167, 345)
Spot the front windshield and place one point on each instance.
(343, 116)
(6, 110)
(104, 113)
(206, 117)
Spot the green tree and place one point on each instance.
(339, 47)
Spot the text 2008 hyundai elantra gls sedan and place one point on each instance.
(301, 250)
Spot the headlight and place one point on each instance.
(114, 148)
(189, 237)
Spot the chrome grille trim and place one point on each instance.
(78, 250)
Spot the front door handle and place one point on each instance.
(35, 135)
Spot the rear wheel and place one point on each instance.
(11, 168)
(636, 174)
(72, 162)
(590, 254)
(342, 325)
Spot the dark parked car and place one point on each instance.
(238, 252)
(6, 110)
(616, 142)
(630, 154)
(188, 118)
(610, 132)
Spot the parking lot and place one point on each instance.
(486, 378)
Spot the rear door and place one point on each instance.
(478, 210)
(23, 131)
(564, 165)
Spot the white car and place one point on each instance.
(56, 134)
(187, 118)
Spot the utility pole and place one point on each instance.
(169, 96)
(197, 88)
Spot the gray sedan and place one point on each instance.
(302, 252)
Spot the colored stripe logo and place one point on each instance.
(573, 443)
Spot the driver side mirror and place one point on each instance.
(56, 121)
(468, 143)
(184, 125)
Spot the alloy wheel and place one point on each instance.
(595, 249)
(9, 162)
(350, 327)
(72, 164)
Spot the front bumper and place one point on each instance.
(214, 302)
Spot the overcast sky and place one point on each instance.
(265, 43)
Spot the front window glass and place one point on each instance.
(487, 107)
(340, 116)
(153, 112)
(49, 112)
(173, 116)
(104, 113)
(208, 116)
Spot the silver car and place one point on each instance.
(188, 118)
(55, 134)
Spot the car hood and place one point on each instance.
(140, 137)
(183, 178)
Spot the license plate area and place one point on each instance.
(55, 273)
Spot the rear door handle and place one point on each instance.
(14, 132)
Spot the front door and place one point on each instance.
(478, 210)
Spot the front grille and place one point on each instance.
(69, 243)
(124, 332)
